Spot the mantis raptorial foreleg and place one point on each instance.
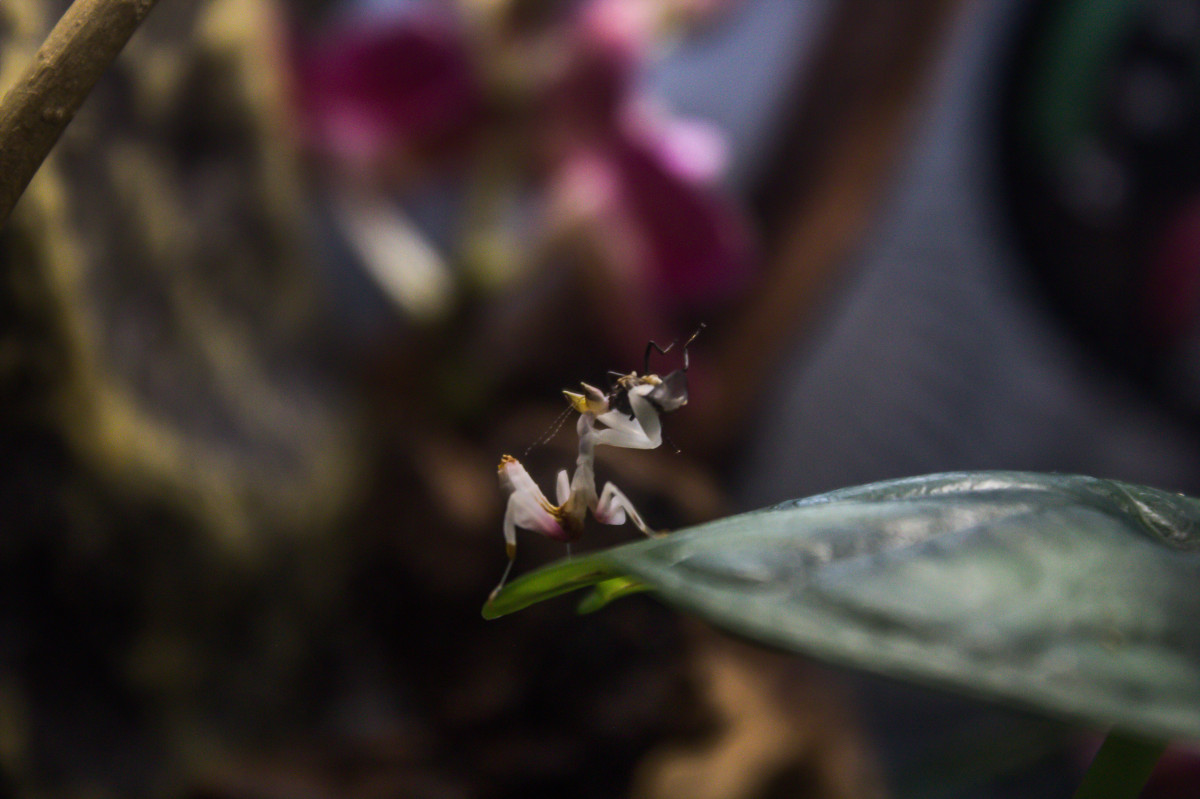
(627, 416)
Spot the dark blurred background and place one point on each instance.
(299, 273)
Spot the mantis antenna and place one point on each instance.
(550, 432)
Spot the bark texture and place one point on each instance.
(38, 108)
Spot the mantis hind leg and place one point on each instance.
(614, 507)
(512, 558)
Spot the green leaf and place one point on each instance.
(549, 582)
(1073, 596)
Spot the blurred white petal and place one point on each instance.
(397, 256)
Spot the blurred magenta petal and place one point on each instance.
(1172, 296)
(642, 179)
(638, 184)
(586, 188)
(402, 83)
(652, 218)
(698, 245)
(605, 42)
(620, 30)
(693, 149)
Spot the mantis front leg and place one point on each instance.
(527, 508)
(644, 431)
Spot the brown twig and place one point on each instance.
(845, 135)
(34, 113)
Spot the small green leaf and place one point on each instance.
(610, 591)
(558, 578)
(1121, 768)
(1073, 596)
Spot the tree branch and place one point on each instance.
(34, 113)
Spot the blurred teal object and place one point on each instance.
(1072, 596)
(1101, 165)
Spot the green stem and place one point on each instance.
(1121, 767)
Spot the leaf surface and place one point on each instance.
(1073, 596)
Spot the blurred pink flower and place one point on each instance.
(643, 198)
(638, 185)
(1171, 301)
(378, 88)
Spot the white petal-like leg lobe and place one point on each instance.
(528, 507)
(614, 506)
(644, 431)
(563, 487)
(622, 432)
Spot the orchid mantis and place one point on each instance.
(626, 416)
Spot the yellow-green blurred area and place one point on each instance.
(299, 273)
